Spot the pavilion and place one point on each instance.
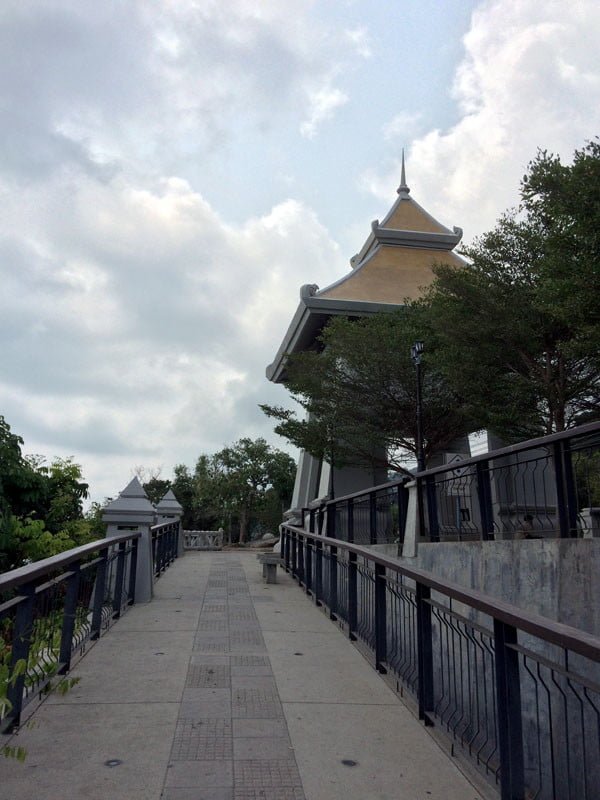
(395, 264)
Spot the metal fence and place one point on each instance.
(375, 516)
(518, 694)
(543, 488)
(51, 609)
(164, 545)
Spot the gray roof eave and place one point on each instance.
(312, 314)
(420, 239)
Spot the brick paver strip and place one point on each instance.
(248, 637)
(242, 614)
(228, 624)
(250, 661)
(257, 774)
(202, 676)
(270, 793)
(202, 741)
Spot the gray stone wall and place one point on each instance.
(557, 578)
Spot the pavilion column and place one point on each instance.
(132, 511)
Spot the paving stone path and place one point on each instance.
(202, 693)
(231, 740)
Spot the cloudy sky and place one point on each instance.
(172, 171)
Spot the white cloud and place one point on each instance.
(360, 40)
(529, 78)
(139, 327)
(323, 103)
(402, 126)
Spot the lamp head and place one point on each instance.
(416, 351)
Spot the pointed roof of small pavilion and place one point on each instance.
(131, 504)
(169, 504)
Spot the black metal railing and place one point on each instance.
(51, 609)
(543, 488)
(517, 693)
(164, 545)
(375, 516)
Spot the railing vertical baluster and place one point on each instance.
(318, 572)
(484, 495)
(99, 595)
(331, 515)
(300, 559)
(154, 546)
(424, 653)
(22, 634)
(351, 520)
(308, 566)
(380, 618)
(69, 613)
(294, 554)
(402, 500)
(320, 520)
(508, 698)
(566, 495)
(118, 589)
(333, 582)
(133, 556)
(352, 595)
(285, 536)
(311, 520)
(372, 518)
(432, 510)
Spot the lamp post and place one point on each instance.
(415, 353)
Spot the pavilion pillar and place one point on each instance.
(132, 511)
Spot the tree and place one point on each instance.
(244, 474)
(517, 331)
(40, 506)
(244, 485)
(183, 489)
(359, 392)
(156, 489)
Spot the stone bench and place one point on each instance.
(269, 562)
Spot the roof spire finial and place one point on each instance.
(403, 188)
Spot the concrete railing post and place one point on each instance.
(170, 510)
(132, 511)
(411, 529)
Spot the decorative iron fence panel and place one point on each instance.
(544, 488)
(164, 545)
(51, 609)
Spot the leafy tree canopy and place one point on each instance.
(41, 510)
(517, 331)
(246, 484)
(359, 392)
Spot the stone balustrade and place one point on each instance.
(203, 540)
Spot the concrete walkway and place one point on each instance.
(225, 689)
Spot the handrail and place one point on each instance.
(585, 644)
(513, 449)
(315, 504)
(29, 572)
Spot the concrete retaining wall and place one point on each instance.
(558, 578)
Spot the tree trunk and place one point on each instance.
(243, 524)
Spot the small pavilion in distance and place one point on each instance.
(394, 264)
